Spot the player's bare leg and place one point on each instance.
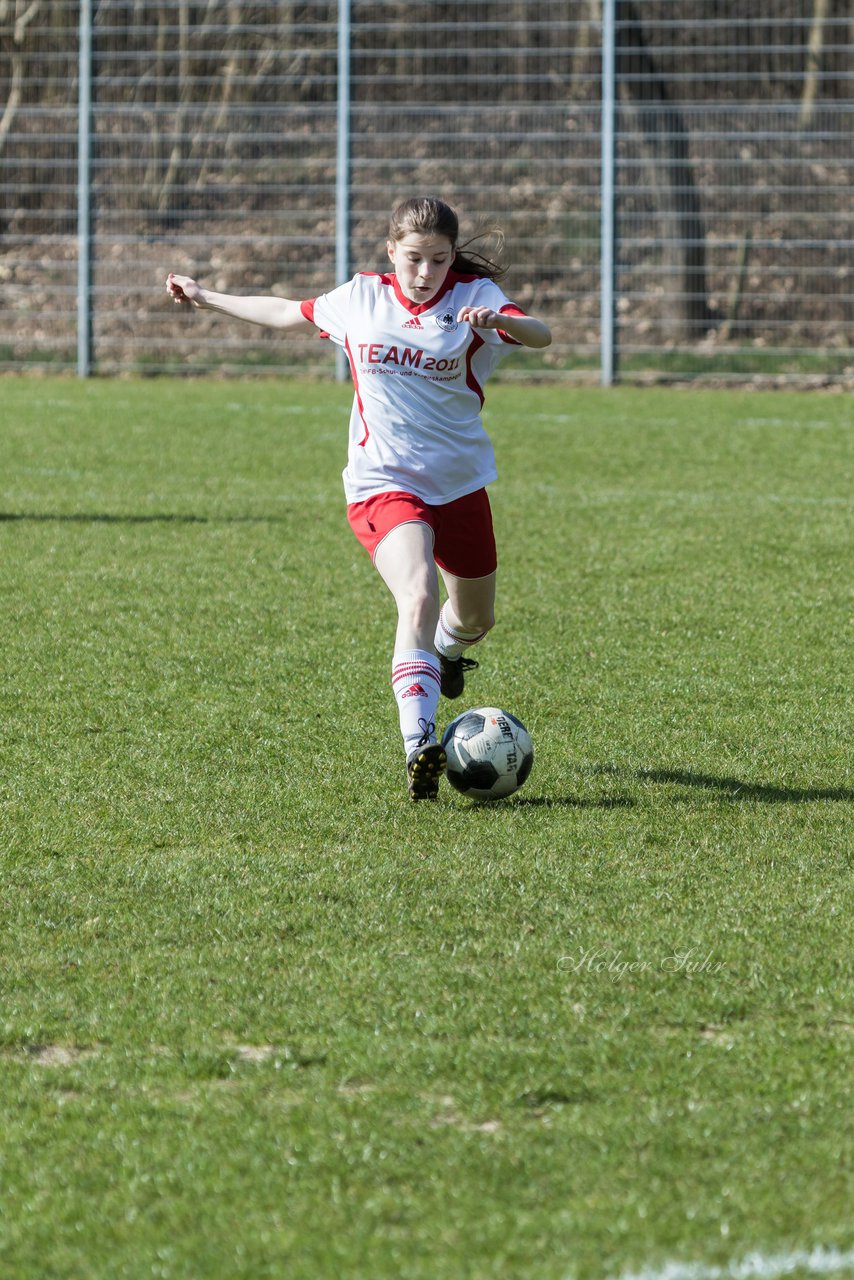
(404, 560)
(466, 616)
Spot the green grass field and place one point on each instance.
(261, 1016)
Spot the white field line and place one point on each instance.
(755, 1266)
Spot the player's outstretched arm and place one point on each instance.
(274, 313)
(528, 330)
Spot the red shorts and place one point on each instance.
(463, 540)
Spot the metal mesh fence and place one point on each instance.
(38, 181)
(215, 145)
(736, 177)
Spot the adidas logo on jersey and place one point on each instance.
(414, 323)
(414, 691)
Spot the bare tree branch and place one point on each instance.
(814, 48)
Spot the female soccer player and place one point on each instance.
(421, 342)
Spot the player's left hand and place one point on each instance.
(479, 317)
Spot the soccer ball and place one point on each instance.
(489, 752)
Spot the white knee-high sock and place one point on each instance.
(450, 641)
(415, 682)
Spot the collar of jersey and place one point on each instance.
(418, 309)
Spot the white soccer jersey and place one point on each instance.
(418, 376)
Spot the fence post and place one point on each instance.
(84, 188)
(608, 235)
(342, 166)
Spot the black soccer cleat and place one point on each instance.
(425, 768)
(454, 674)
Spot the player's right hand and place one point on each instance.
(183, 289)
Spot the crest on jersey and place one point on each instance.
(447, 321)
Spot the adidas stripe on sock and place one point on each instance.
(450, 641)
(416, 681)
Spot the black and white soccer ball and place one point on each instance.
(490, 753)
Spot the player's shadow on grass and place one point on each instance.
(154, 518)
(733, 788)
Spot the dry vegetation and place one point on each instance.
(214, 150)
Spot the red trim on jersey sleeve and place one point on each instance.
(471, 381)
(307, 308)
(511, 310)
